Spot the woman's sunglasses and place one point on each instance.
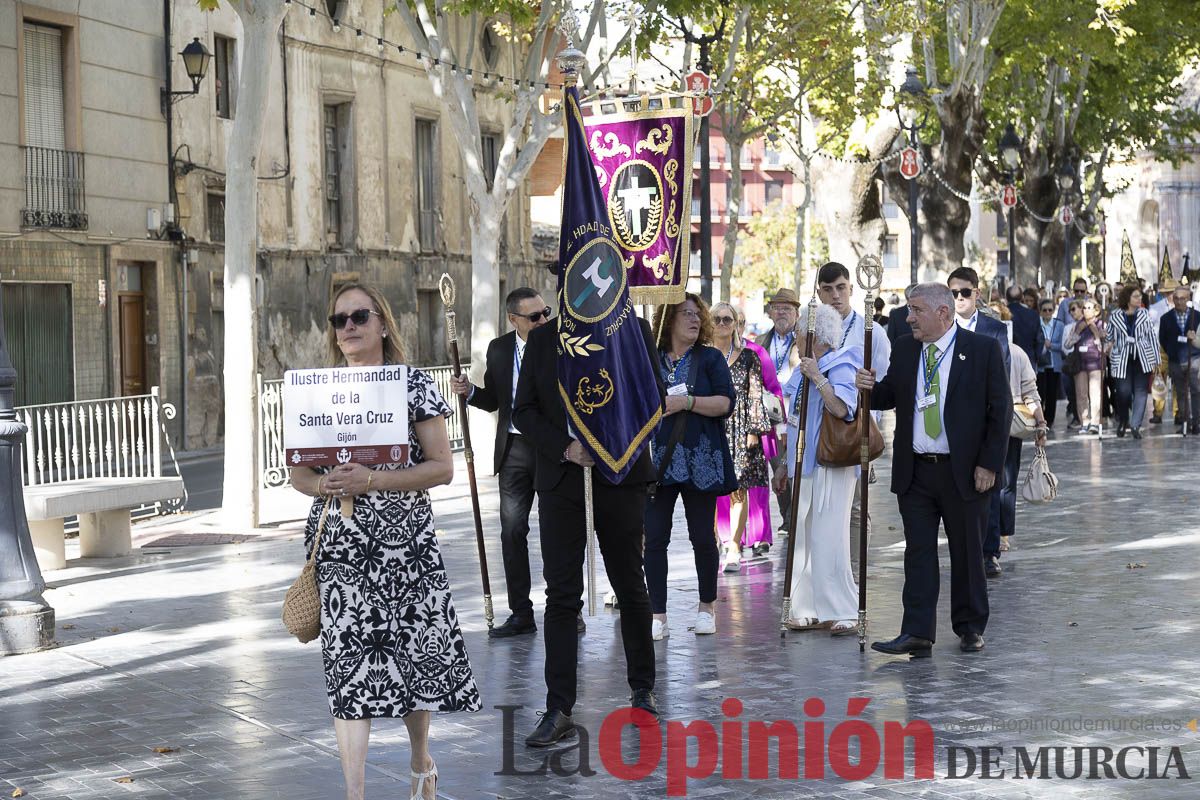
(537, 315)
(359, 317)
(723, 320)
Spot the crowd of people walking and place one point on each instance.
(970, 382)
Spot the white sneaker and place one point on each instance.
(610, 599)
(659, 630)
(705, 623)
(733, 561)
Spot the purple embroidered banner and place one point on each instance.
(644, 166)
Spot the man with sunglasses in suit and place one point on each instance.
(515, 457)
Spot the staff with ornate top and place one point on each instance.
(801, 421)
(446, 287)
(870, 278)
(570, 61)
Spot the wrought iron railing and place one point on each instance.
(54, 189)
(270, 409)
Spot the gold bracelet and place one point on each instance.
(370, 475)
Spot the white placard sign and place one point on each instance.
(345, 414)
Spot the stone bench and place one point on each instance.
(102, 505)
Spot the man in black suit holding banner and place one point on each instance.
(950, 390)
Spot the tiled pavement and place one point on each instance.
(1094, 622)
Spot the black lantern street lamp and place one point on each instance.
(26, 620)
(195, 63)
(909, 103)
(1010, 153)
(1067, 178)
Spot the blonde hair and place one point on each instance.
(737, 319)
(393, 351)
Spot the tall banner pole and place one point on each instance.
(446, 287)
(870, 278)
(801, 422)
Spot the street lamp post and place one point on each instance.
(26, 620)
(1010, 151)
(908, 104)
(706, 267)
(1066, 184)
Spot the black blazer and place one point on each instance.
(898, 325)
(540, 414)
(1027, 327)
(496, 392)
(1168, 333)
(977, 409)
(990, 326)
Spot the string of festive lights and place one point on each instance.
(425, 59)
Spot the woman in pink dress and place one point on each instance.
(748, 524)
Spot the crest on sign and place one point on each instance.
(1008, 197)
(910, 163)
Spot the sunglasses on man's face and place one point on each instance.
(723, 320)
(537, 315)
(965, 294)
(359, 317)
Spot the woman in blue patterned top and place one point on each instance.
(699, 467)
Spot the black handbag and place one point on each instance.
(1072, 363)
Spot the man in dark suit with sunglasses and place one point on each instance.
(515, 457)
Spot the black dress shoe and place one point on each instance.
(1121, 431)
(970, 643)
(1156, 420)
(991, 565)
(905, 645)
(580, 625)
(513, 626)
(644, 699)
(555, 726)
(1137, 433)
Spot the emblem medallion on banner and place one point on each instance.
(594, 281)
(635, 205)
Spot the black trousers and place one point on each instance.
(619, 512)
(1002, 513)
(700, 509)
(1047, 385)
(933, 498)
(516, 500)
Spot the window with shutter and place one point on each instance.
(223, 60)
(43, 89)
(427, 184)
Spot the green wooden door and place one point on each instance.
(37, 332)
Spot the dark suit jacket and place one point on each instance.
(990, 326)
(496, 392)
(898, 325)
(540, 414)
(977, 409)
(1027, 327)
(1168, 333)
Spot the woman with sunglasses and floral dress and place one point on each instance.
(390, 638)
(745, 429)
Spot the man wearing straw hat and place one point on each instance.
(784, 350)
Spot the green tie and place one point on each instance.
(933, 421)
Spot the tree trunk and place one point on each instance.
(485, 248)
(260, 25)
(732, 212)
(944, 217)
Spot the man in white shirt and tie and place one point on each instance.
(949, 388)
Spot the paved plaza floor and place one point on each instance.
(1092, 644)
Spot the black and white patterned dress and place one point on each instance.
(390, 638)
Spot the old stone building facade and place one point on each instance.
(359, 179)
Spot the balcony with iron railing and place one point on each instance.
(54, 196)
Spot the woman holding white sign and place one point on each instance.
(390, 637)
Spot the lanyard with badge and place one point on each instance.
(516, 367)
(787, 346)
(927, 399)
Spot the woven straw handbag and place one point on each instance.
(302, 603)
